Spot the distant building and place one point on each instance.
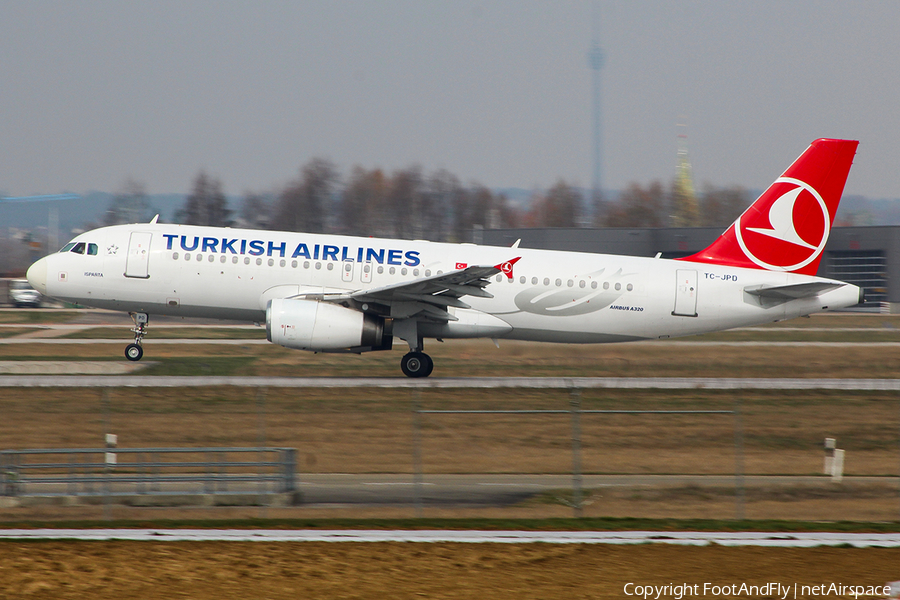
(865, 256)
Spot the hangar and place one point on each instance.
(865, 256)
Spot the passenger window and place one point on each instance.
(78, 248)
(92, 249)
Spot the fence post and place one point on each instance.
(738, 461)
(289, 469)
(261, 442)
(106, 467)
(417, 453)
(575, 409)
(7, 475)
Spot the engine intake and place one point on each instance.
(324, 327)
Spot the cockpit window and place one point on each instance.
(92, 249)
(78, 248)
(67, 247)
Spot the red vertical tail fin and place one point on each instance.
(788, 225)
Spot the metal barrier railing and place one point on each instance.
(146, 471)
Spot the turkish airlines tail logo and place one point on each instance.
(792, 231)
(787, 227)
(781, 218)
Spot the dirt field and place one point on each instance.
(214, 570)
(365, 431)
(371, 431)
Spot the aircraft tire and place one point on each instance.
(133, 352)
(416, 364)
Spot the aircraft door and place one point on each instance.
(365, 274)
(685, 293)
(138, 259)
(347, 271)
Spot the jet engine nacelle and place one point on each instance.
(324, 327)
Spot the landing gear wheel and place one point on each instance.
(416, 364)
(133, 352)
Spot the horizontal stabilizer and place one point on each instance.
(794, 291)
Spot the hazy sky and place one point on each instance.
(94, 92)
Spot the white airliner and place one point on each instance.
(331, 293)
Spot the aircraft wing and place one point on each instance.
(427, 297)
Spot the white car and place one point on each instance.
(22, 295)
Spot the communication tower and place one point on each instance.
(595, 61)
(685, 208)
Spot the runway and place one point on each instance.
(685, 538)
(263, 341)
(667, 383)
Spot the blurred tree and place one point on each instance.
(306, 203)
(361, 202)
(256, 211)
(434, 212)
(503, 215)
(719, 207)
(206, 205)
(639, 207)
(560, 206)
(450, 203)
(405, 202)
(130, 205)
(599, 208)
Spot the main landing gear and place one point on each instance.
(416, 364)
(134, 351)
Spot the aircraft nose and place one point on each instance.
(37, 275)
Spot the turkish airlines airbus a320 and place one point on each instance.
(330, 293)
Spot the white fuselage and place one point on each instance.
(553, 296)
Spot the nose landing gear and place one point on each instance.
(134, 351)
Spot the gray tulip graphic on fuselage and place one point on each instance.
(571, 301)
